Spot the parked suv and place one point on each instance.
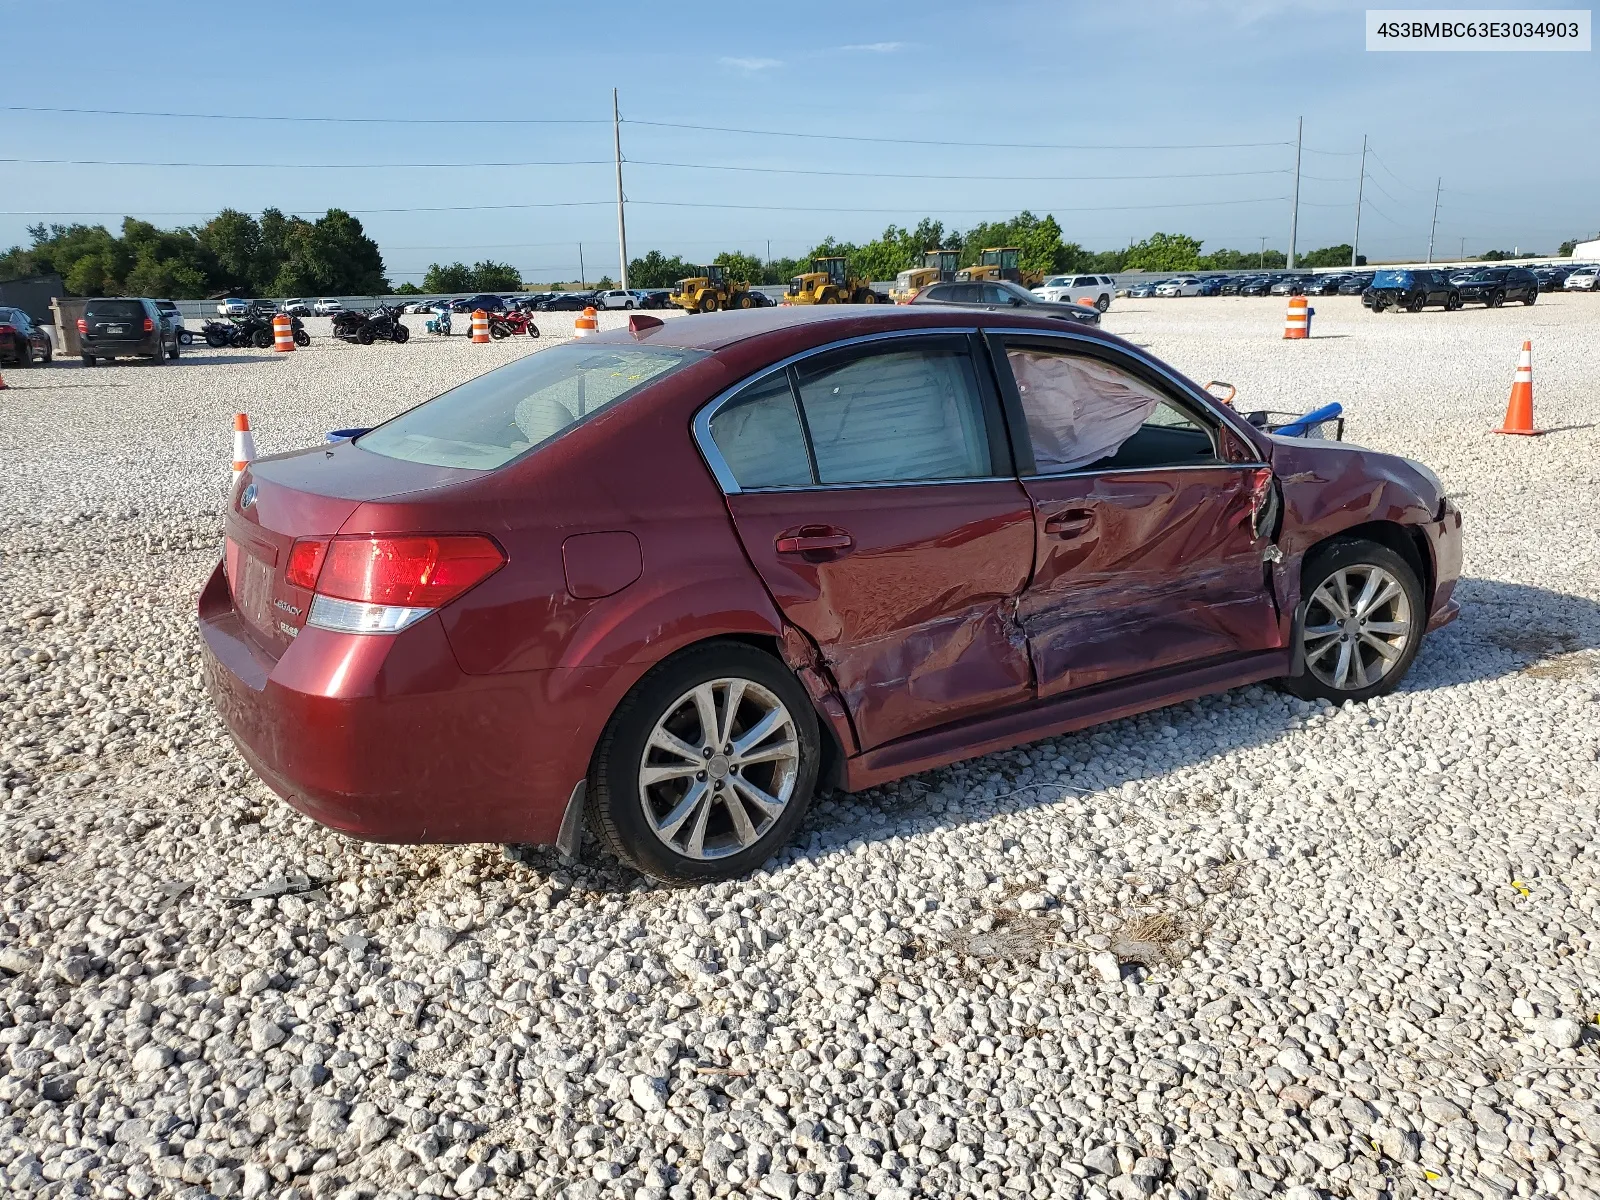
(1584, 279)
(169, 309)
(1069, 289)
(124, 328)
(21, 339)
(327, 306)
(1493, 286)
(1411, 290)
(297, 308)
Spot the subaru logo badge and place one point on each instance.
(247, 497)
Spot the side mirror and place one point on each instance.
(1017, 302)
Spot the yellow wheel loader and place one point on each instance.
(709, 289)
(938, 266)
(830, 283)
(1001, 262)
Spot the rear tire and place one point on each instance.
(1103, 303)
(261, 339)
(88, 360)
(364, 336)
(173, 353)
(736, 834)
(1347, 644)
(1531, 298)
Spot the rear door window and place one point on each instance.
(114, 311)
(759, 436)
(906, 414)
(488, 421)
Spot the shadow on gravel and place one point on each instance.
(1505, 630)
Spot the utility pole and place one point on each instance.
(1261, 259)
(1434, 228)
(582, 278)
(1463, 249)
(1361, 183)
(769, 249)
(1294, 213)
(622, 225)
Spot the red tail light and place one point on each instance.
(83, 326)
(424, 571)
(7, 329)
(148, 324)
(305, 561)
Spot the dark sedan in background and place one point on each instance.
(1001, 295)
(21, 341)
(1354, 285)
(1493, 286)
(567, 302)
(1261, 285)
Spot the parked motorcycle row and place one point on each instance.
(254, 328)
(501, 324)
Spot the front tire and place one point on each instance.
(661, 803)
(709, 304)
(1359, 623)
(364, 336)
(1103, 303)
(185, 337)
(302, 338)
(402, 335)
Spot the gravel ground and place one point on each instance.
(1235, 948)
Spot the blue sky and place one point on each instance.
(1513, 135)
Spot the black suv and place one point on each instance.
(1493, 286)
(124, 328)
(1411, 290)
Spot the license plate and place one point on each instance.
(116, 329)
(252, 591)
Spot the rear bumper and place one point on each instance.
(386, 738)
(117, 348)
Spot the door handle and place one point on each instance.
(811, 538)
(1070, 523)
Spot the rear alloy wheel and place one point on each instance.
(707, 767)
(1416, 304)
(1359, 623)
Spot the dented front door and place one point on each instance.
(908, 591)
(1143, 570)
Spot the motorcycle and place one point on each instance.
(382, 322)
(440, 323)
(252, 329)
(504, 324)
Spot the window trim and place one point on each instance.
(1147, 370)
(996, 419)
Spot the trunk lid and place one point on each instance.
(306, 494)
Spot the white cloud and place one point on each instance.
(875, 47)
(750, 65)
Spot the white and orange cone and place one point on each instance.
(587, 323)
(1519, 410)
(480, 327)
(244, 445)
(4, 386)
(1296, 324)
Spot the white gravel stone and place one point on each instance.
(1243, 946)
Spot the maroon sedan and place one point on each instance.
(669, 581)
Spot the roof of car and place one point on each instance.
(714, 331)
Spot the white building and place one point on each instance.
(1586, 251)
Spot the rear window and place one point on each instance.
(486, 422)
(1391, 279)
(114, 310)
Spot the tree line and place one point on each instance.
(280, 255)
(1040, 240)
(277, 255)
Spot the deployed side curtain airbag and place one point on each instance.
(1079, 410)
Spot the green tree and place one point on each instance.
(233, 239)
(1165, 252)
(605, 283)
(1039, 239)
(656, 270)
(738, 266)
(488, 276)
(782, 270)
(457, 277)
(408, 289)
(1566, 248)
(1330, 256)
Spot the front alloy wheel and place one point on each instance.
(1360, 622)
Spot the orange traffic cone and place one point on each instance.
(1519, 412)
(4, 386)
(587, 323)
(244, 446)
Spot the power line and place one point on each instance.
(905, 141)
(641, 162)
(904, 209)
(120, 112)
(281, 166)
